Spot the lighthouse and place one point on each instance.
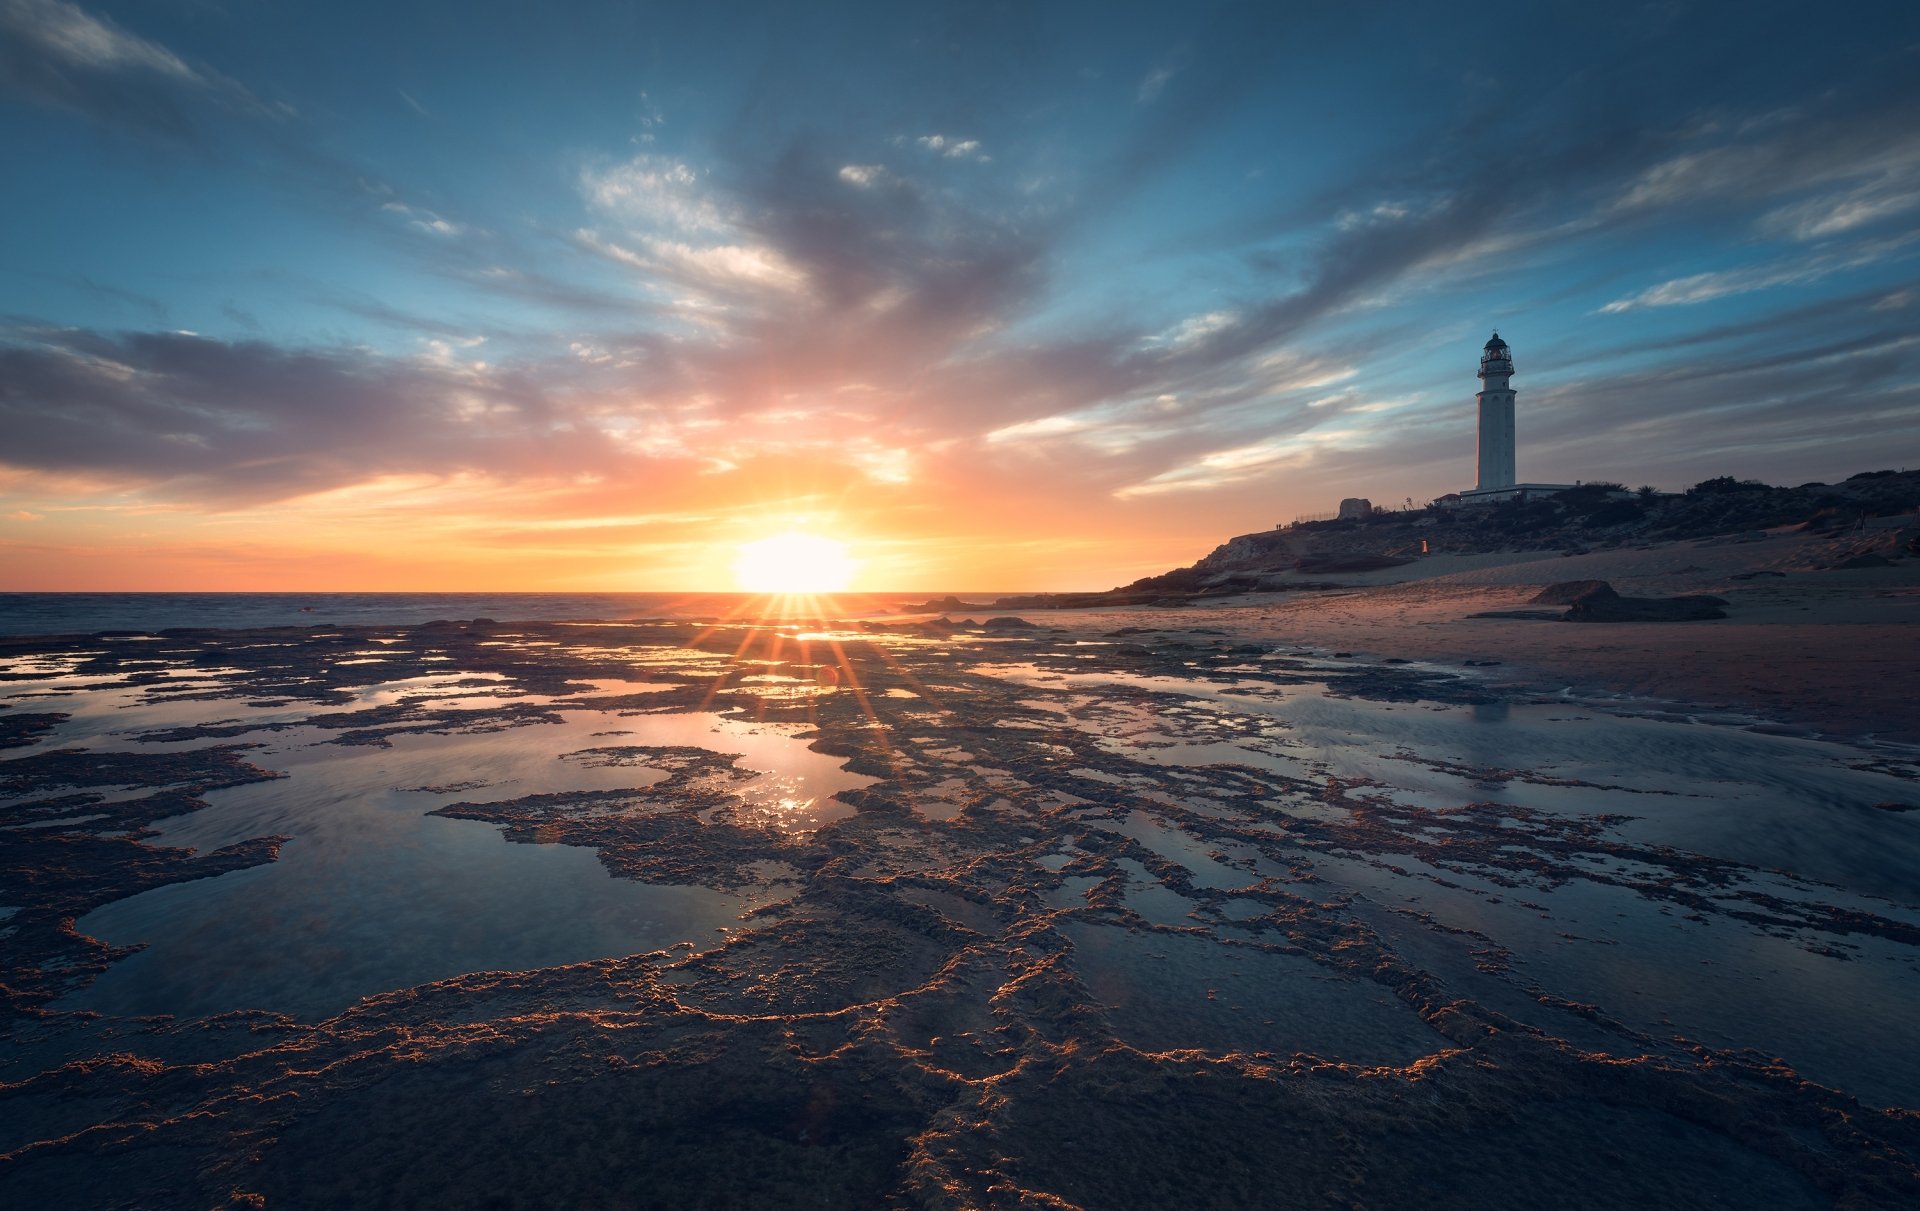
(1498, 479)
(1496, 416)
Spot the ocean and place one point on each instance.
(85, 613)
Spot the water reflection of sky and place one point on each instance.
(371, 893)
(1797, 813)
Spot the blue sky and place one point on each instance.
(1011, 295)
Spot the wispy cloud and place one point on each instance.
(67, 34)
(952, 147)
(1705, 287)
(1223, 467)
(425, 220)
(58, 54)
(1153, 84)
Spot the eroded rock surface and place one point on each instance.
(1135, 920)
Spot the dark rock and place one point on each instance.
(1755, 575)
(1605, 605)
(1007, 623)
(1567, 592)
(941, 605)
(21, 729)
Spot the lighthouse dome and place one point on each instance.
(1495, 357)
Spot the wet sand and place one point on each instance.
(1136, 910)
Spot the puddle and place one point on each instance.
(372, 894)
(1169, 991)
(410, 899)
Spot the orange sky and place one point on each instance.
(468, 533)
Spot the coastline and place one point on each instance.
(1834, 651)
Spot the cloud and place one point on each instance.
(1793, 156)
(1834, 214)
(1705, 287)
(654, 191)
(1041, 427)
(1194, 329)
(227, 424)
(1221, 468)
(68, 35)
(57, 54)
(1152, 84)
(247, 420)
(1758, 409)
(864, 175)
(953, 148)
(424, 220)
(715, 265)
(1379, 212)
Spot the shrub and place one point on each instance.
(1720, 485)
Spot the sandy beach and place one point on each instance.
(1835, 651)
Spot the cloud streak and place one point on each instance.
(58, 54)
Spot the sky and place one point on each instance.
(496, 296)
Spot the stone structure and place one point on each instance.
(1356, 507)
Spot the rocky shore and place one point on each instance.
(1125, 911)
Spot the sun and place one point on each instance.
(794, 562)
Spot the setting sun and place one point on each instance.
(793, 562)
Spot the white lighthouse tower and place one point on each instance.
(1498, 479)
(1496, 417)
